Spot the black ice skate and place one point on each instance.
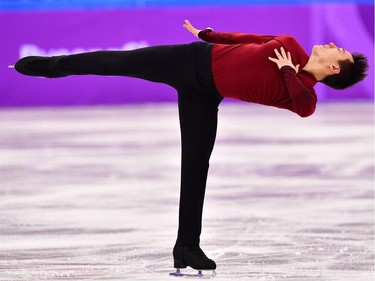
(194, 257)
(39, 66)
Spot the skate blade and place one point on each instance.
(199, 275)
(11, 66)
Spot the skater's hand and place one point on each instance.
(191, 28)
(283, 59)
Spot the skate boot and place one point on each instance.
(39, 66)
(194, 257)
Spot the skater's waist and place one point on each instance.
(202, 55)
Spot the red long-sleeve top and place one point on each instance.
(241, 70)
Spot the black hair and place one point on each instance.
(350, 73)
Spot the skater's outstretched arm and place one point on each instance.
(211, 36)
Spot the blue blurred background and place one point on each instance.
(53, 27)
(68, 4)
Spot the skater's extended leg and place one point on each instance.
(165, 64)
(168, 64)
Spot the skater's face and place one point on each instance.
(329, 57)
(330, 54)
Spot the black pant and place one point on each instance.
(187, 68)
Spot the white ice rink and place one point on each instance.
(92, 193)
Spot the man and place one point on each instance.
(264, 69)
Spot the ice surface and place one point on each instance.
(92, 193)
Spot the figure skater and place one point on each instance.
(264, 69)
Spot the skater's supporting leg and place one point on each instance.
(198, 103)
(198, 121)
